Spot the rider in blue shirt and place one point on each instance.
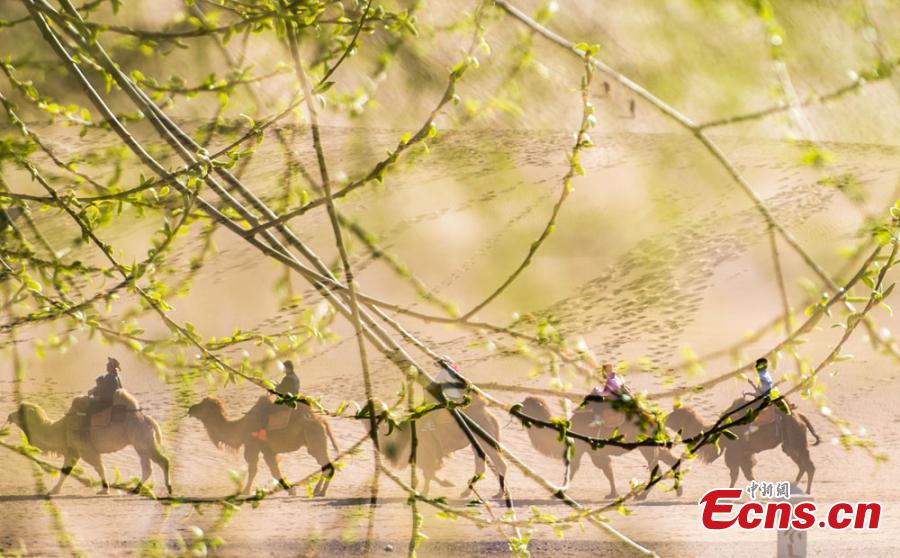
(765, 379)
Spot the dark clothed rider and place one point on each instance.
(289, 385)
(291, 382)
(107, 385)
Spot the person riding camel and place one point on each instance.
(764, 389)
(100, 403)
(289, 385)
(613, 389)
(106, 386)
(447, 382)
(765, 379)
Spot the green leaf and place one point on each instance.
(323, 87)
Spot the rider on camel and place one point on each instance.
(289, 385)
(613, 389)
(107, 385)
(765, 379)
(764, 390)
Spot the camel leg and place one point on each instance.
(499, 466)
(95, 461)
(318, 448)
(804, 465)
(810, 473)
(145, 473)
(69, 462)
(479, 470)
(251, 456)
(794, 445)
(427, 484)
(604, 463)
(734, 470)
(651, 455)
(271, 459)
(734, 466)
(321, 486)
(666, 457)
(324, 479)
(160, 459)
(747, 468)
(326, 467)
(575, 464)
(487, 422)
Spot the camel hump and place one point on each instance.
(79, 404)
(262, 405)
(588, 409)
(594, 408)
(121, 398)
(604, 412)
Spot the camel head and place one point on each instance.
(207, 408)
(545, 440)
(536, 407)
(687, 422)
(27, 415)
(211, 412)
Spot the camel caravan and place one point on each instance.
(109, 419)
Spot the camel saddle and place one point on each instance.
(279, 418)
(102, 418)
(115, 413)
(90, 420)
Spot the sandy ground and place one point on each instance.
(700, 278)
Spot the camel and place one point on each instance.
(787, 431)
(438, 436)
(71, 437)
(303, 429)
(598, 420)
